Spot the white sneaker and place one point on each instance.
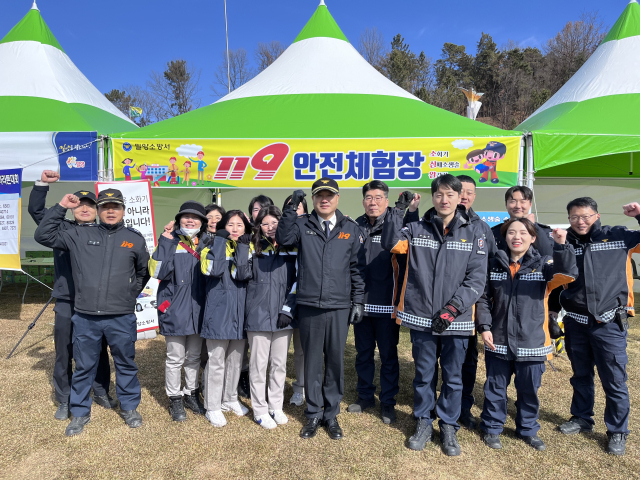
(297, 399)
(265, 421)
(279, 417)
(235, 407)
(216, 418)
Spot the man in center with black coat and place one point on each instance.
(330, 296)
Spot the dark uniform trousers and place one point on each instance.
(63, 368)
(528, 376)
(385, 333)
(323, 334)
(602, 345)
(120, 332)
(452, 355)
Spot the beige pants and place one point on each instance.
(183, 351)
(222, 372)
(268, 347)
(298, 362)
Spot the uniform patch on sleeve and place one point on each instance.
(480, 243)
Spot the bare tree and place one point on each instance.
(239, 72)
(267, 53)
(136, 96)
(371, 46)
(175, 90)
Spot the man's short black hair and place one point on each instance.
(526, 192)
(446, 180)
(466, 179)
(586, 202)
(263, 200)
(375, 185)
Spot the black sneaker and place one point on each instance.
(105, 401)
(387, 413)
(449, 439)
(423, 435)
(63, 411)
(617, 443)
(361, 405)
(534, 441)
(244, 389)
(176, 409)
(492, 441)
(467, 420)
(76, 425)
(575, 425)
(132, 418)
(193, 403)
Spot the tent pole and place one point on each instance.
(530, 163)
(101, 164)
(110, 174)
(521, 160)
(226, 30)
(631, 164)
(218, 197)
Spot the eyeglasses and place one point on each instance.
(584, 218)
(377, 199)
(267, 225)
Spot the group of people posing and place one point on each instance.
(235, 288)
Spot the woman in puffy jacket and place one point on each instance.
(176, 264)
(269, 309)
(227, 264)
(513, 316)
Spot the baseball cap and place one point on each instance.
(110, 195)
(86, 194)
(325, 184)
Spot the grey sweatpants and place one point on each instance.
(268, 347)
(182, 351)
(222, 372)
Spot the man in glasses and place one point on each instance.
(597, 305)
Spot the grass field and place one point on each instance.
(33, 445)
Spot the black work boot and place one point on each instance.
(76, 425)
(361, 405)
(492, 440)
(534, 441)
(575, 425)
(467, 420)
(423, 435)
(193, 403)
(387, 413)
(176, 409)
(105, 401)
(63, 411)
(244, 390)
(617, 443)
(132, 418)
(449, 439)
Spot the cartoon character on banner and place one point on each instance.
(142, 170)
(201, 166)
(493, 153)
(474, 157)
(173, 178)
(126, 170)
(187, 170)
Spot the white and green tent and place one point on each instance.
(590, 127)
(42, 92)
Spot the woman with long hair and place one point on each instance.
(269, 310)
(227, 264)
(176, 264)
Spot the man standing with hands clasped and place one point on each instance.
(330, 296)
(109, 266)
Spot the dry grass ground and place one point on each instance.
(32, 443)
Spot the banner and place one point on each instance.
(493, 218)
(297, 163)
(138, 214)
(10, 210)
(77, 155)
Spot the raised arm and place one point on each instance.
(38, 196)
(213, 259)
(288, 233)
(50, 232)
(563, 269)
(141, 266)
(242, 269)
(161, 263)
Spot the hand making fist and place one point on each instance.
(415, 203)
(559, 235)
(49, 176)
(631, 209)
(531, 217)
(70, 201)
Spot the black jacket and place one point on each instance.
(515, 307)
(63, 288)
(605, 282)
(108, 262)
(331, 272)
(382, 270)
(441, 268)
(543, 244)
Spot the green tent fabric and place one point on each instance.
(594, 115)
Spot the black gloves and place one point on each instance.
(296, 198)
(283, 321)
(554, 329)
(404, 200)
(356, 314)
(222, 233)
(246, 239)
(444, 318)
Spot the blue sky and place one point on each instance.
(119, 42)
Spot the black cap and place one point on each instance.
(325, 184)
(110, 195)
(86, 195)
(196, 208)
